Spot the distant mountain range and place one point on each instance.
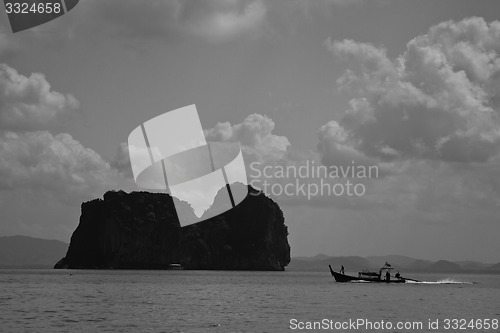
(29, 252)
(320, 262)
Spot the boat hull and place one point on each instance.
(348, 278)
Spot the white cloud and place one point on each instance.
(254, 134)
(34, 159)
(28, 103)
(335, 147)
(44, 176)
(437, 101)
(57, 164)
(430, 119)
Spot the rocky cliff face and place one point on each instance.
(141, 230)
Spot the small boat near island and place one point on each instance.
(383, 275)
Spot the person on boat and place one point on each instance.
(397, 275)
(342, 270)
(387, 276)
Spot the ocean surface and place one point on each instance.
(215, 301)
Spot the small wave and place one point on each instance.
(443, 281)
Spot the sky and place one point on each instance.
(412, 87)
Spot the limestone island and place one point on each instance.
(140, 230)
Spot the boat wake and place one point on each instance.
(443, 281)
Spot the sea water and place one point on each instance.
(216, 301)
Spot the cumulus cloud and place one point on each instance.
(254, 134)
(437, 101)
(52, 163)
(336, 148)
(28, 103)
(31, 157)
(44, 176)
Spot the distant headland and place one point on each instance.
(404, 263)
(29, 252)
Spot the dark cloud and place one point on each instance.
(134, 23)
(211, 20)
